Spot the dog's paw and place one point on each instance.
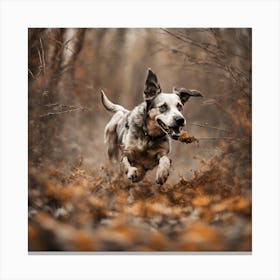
(162, 177)
(133, 174)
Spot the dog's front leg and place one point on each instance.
(163, 170)
(133, 173)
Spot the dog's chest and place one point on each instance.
(144, 144)
(146, 153)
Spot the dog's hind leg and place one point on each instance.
(111, 136)
(111, 139)
(112, 142)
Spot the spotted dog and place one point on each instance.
(140, 138)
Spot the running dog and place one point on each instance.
(140, 138)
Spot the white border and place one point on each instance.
(17, 16)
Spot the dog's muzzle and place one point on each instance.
(172, 131)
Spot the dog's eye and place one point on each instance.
(163, 108)
(179, 107)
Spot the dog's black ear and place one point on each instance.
(152, 87)
(185, 94)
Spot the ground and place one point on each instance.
(74, 209)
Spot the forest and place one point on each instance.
(78, 200)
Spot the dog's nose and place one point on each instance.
(180, 121)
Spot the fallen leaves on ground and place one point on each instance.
(75, 210)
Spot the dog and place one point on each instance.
(141, 138)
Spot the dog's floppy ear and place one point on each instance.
(185, 94)
(152, 87)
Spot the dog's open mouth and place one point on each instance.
(172, 131)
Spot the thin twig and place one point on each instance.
(40, 59)
(190, 41)
(58, 113)
(218, 138)
(63, 109)
(230, 69)
(43, 56)
(62, 44)
(213, 138)
(209, 126)
(52, 104)
(30, 72)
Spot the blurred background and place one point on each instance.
(67, 154)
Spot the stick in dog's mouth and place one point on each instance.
(176, 133)
(173, 132)
(186, 138)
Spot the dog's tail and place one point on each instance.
(110, 106)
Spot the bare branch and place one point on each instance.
(217, 55)
(62, 44)
(190, 41)
(209, 126)
(30, 72)
(43, 57)
(227, 138)
(62, 109)
(41, 62)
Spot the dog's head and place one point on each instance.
(165, 109)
